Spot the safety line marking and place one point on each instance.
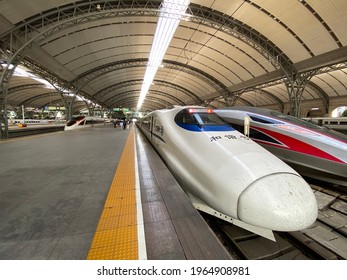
(142, 252)
(120, 233)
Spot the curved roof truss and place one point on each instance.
(220, 54)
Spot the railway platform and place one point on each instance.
(95, 193)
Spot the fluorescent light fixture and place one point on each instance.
(170, 15)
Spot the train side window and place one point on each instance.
(260, 120)
(184, 118)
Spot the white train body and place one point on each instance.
(83, 121)
(226, 174)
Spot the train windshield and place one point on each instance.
(200, 119)
(74, 120)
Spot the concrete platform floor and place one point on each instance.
(52, 191)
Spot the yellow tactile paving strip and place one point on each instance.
(116, 234)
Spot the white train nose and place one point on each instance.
(281, 202)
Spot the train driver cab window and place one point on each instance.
(74, 120)
(198, 118)
(207, 118)
(184, 117)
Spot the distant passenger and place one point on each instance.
(124, 125)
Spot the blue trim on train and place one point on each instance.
(205, 128)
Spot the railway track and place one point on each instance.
(325, 239)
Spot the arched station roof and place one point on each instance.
(223, 52)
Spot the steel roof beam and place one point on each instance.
(40, 27)
(24, 87)
(126, 102)
(104, 92)
(37, 97)
(93, 74)
(115, 98)
(325, 63)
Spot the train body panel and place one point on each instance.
(311, 150)
(226, 171)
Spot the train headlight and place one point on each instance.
(200, 110)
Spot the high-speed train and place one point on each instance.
(339, 124)
(83, 121)
(228, 175)
(30, 122)
(312, 150)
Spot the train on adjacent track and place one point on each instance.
(314, 151)
(227, 174)
(85, 121)
(339, 123)
(17, 122)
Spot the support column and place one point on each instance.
(4, 85)
(68, 102)
(296, 84)
(230, 99)
(90, 109)
(207, 102)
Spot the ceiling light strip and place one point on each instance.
(169, 18)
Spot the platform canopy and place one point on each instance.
(223, 53)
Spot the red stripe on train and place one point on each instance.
(297, 145)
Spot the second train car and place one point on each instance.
(312, 150)
(228, 175)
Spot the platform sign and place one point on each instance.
(54, 108)
(120, 109)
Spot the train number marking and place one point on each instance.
(230, 137)
(215, 138)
